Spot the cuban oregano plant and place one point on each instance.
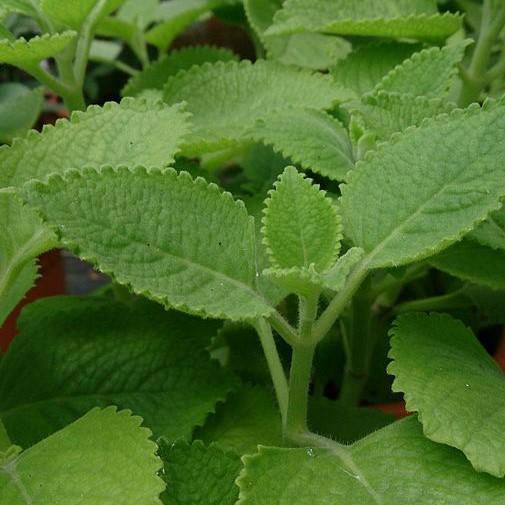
(292, 242)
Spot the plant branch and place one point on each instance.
(455, 300)
(283, 328)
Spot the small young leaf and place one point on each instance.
(199, 475)
(301, 225)
(364, 67)
(395, 465)
(473, 262)
(27, 53)
(247, 419)
(155, 75)
(399, 206)
(79, 353)
(181, 242)
(300, 280)
(336, 276)
(226, 99)
(491, 232)
(427, 73)
(314, 139)
(457, 388)
(411, 19)
(103, 458)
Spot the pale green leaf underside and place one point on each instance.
(491, 232)
(248, 418)
(301, 225)
(427, 73)
(458, 390)
(103, 458)
(23, 237)
(364, 67)
(372, 18)
(311, 138)
(396, 465)
(300, 280)
(425, 189)
(226, 99)
(336, 276)
(473, 262)
(78, 353)
(130, 133)
(176, 240)
(26, 53)
(155, 75)
(199, 475)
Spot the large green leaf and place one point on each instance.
(301, 225)
(364, 67)
(179, 241)
(28, 53)
(314, 139)
(103, 458)
(155, 75)
(413, 19)
(421, 192)
(491, 232)
(226, 99)
(427, 73)
(247, 419)
(457, 388)
(396, 465)
(23, 237)
(131, 133)
(78, 353)
(199, 475)
(473, 262)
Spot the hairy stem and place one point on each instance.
(455, 300)
(283, 328)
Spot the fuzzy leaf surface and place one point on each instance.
(393, 466)
(79, 353)
(88, 462)
(226, 99)
(473, 262)
(303, 281)
(412, 19)
(457, 388)
(301, 225)
(199, 475)
(314, 139)
(336, 276)
(183, 242)
(491, 232)
(155, 75)
(421, 192)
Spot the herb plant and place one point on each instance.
(278, 233)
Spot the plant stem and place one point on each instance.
(455, 300)
(474, 82)
(283, 328)
(274, 364)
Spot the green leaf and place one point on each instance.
(247, 419)
(344, 424)
(155, 75)
(5, 442)
(79, 353)
(473, 262)
(427, 73)
(19, 6)
(395, 465)
(308, 50)
(199, 475)
(303, 281)
(301, 225)
(103, 458)
(131, 133)
(412, 19)
(226, 99)
(22, 238)
(314, 139)
(177, 15)
(19, 109)
(28, 53)
(336, 276)
(491, 232)
(364, 67)
(181, 242)
(73, 13)
(383, 114)
(457, 388)
(400, 206)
